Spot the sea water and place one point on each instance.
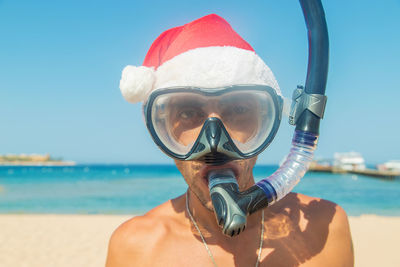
(135, 189)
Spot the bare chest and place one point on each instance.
(293, 250)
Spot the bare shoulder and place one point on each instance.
(322, 225)
(338, 240)
(324, 211)
(131, 245)
(315, 209)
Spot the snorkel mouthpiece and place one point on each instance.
(231, 207)
(224, 192)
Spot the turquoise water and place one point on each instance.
(133, 189)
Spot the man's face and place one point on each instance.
(195, 175)
(179, 118)
(238, 112)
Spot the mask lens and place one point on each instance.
(187, 113)
(247, 115)
(177, 119)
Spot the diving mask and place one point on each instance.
(213, 125)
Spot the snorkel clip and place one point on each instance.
(301, 101)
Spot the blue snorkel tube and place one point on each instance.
(232, 207)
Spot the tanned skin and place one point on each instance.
(299, 230)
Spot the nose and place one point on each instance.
(212, 109)
(214, 115)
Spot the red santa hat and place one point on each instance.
(204, 53)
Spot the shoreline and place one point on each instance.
(82, 239)
(34, 164)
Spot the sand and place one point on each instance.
(376, 240)
(55, 240)
(81, 240)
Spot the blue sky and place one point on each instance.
(60, 65)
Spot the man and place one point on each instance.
(296, 231)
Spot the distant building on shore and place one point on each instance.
(392, 165)
(353, 162)
(348, 161)
(32, 159)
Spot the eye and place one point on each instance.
(190, 114)
(187, 114)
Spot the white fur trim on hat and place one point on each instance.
(207, 67)
(136, 83)
(216, 66)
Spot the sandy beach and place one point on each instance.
(81, 240)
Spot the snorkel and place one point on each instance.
(231, 206)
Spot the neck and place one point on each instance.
(207, 222)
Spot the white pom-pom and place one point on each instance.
(136, 83)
